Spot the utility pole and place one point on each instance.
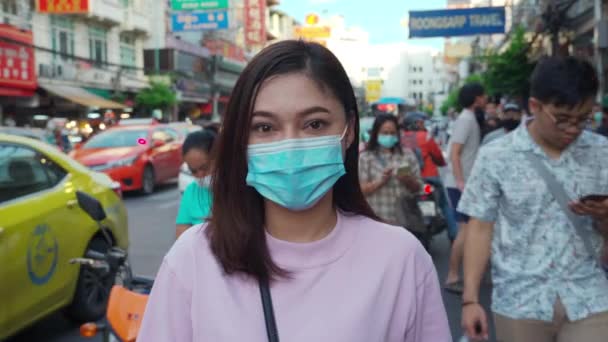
(601, 43)
(555, 18)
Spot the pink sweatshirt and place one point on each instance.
(364, 282)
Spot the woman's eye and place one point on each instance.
(317, 124)
(262, 128)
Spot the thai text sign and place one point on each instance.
(198, 5)
(457, 22)
(312, 32)
(62, 6)
(255, 22)
(17, 65)
(199, 21)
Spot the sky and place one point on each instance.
(381, 18)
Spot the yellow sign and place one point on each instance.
(312, 19)
(312, 32)
(373, 90)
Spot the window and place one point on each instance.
(126, 3)
(62, 36)
(171, 133)
(420, 96)
(128, 56)
(24, 172)
(162, 135)
(8, 9)
(98, 45)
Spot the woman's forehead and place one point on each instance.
(293, 92)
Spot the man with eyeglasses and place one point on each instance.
(548, 286)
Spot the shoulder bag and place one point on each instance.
(562, 199)
(271, 325)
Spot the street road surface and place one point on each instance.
(152, 231)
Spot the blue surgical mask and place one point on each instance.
(597, 117)
(296, 173)
(387, 140)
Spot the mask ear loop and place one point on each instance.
(344, 133)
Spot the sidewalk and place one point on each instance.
(440, 251)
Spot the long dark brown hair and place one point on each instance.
(236, 229)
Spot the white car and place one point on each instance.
(185, 178)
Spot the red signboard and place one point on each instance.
(255, 23)
(17, 65)
(226, 49)
(62, 6)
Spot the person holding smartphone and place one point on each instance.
(292, 251)
(387, 171)
(549, 284)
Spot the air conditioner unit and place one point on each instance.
(46, 70)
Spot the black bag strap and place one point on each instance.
(271, 325)
(561, 197)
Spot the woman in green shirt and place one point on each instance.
(196, 201)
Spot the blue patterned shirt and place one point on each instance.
(537, 254)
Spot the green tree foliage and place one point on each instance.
(508, 72)
(158, 96)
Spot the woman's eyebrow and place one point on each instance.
(304, 112)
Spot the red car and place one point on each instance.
(139, 157)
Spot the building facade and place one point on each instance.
(97, 51)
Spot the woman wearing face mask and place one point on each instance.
(195, 205)
(292, 251)
(381, 182)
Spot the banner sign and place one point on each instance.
(199, 21)
(62, 6)
(198, 5)
(457, 22)
(312, 32)
(225, 48)
(373, 90)
(17, 65)
(255, 22)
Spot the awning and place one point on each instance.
(4, 91)
(81, 96)
(192, 99)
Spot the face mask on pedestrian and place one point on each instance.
(296, 173)
(597, 117)
(387, 140)
(510, 124)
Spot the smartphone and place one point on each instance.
(405, 170)
(593, 198)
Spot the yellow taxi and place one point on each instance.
(42, 228)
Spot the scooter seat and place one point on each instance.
(125, 312)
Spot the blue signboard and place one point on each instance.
(199, 21)
(457, 22)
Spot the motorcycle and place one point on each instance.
(124, 314)
(429, 202)
(128, 297)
